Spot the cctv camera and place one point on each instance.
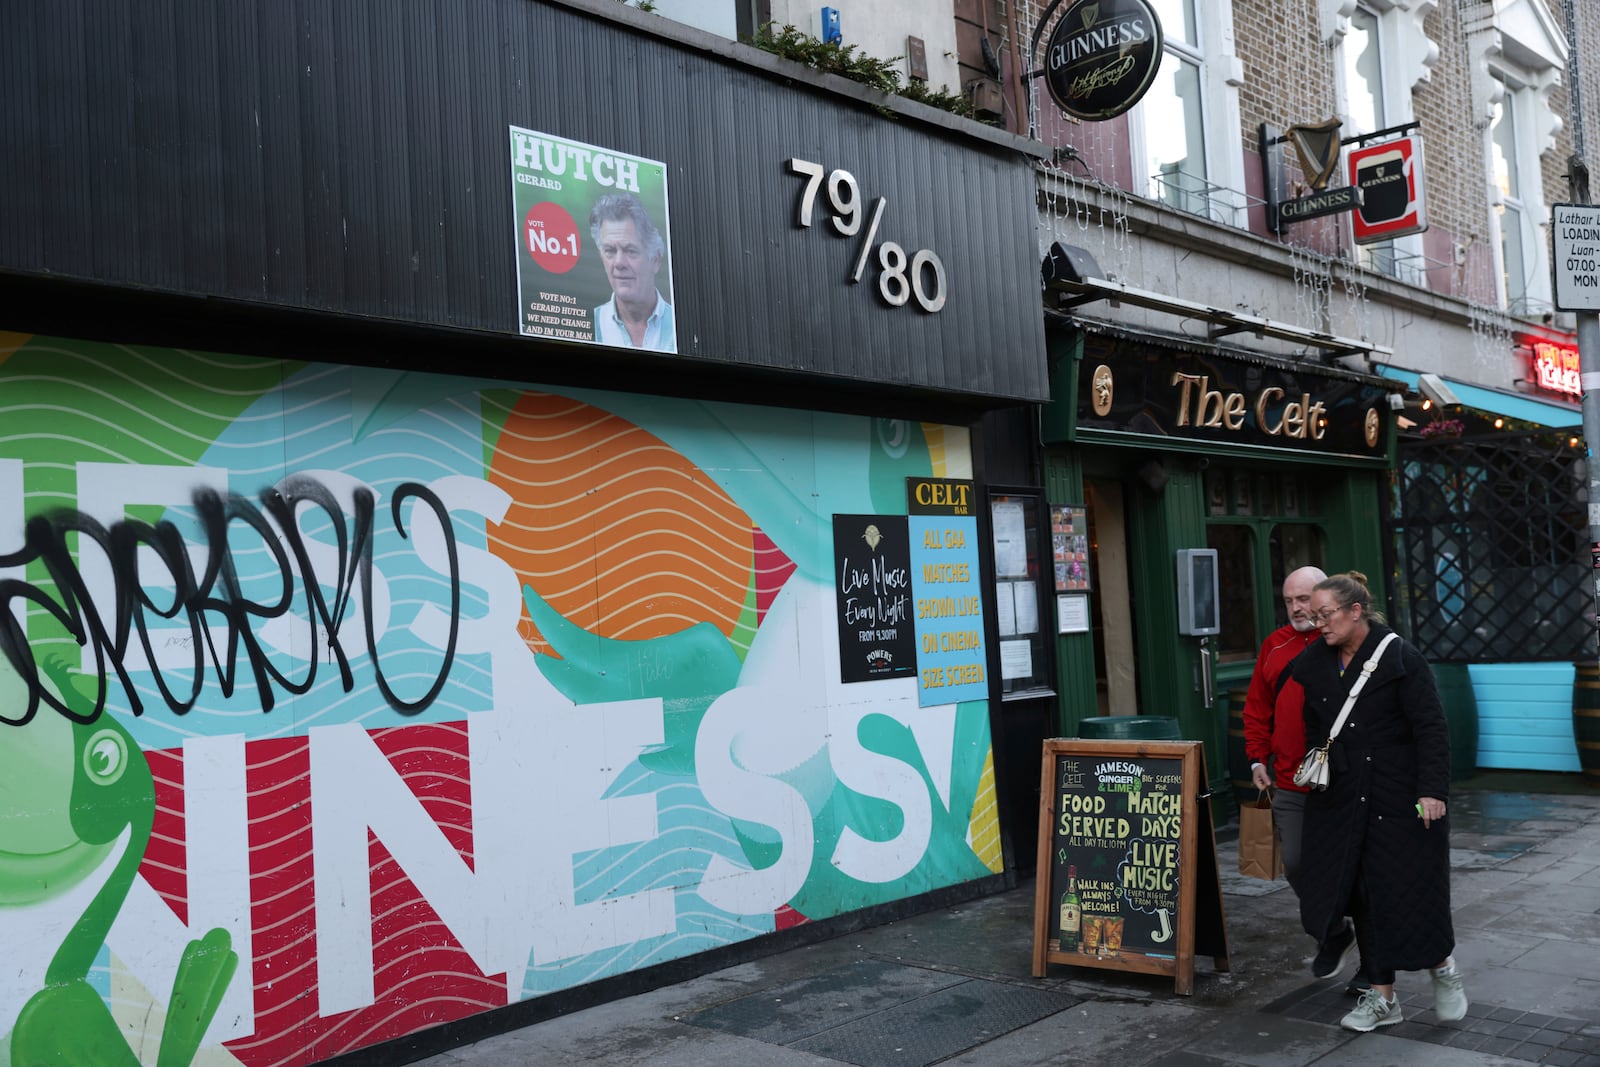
(1435, 389)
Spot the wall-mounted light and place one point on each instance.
(1499, 423)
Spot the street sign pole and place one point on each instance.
(1588, 320)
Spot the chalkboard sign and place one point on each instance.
(872, 566)
(1127, 873)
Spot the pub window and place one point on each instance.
(1258, 524)
(1236, 590)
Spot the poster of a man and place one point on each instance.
(609, 283)
(631, 250)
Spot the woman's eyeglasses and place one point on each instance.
(1321, 617)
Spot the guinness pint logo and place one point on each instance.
(1101, 57)
(1101, 384)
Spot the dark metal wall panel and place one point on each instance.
(350, 156)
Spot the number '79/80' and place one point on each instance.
(899, 280)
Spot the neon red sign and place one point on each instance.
(1556, 367)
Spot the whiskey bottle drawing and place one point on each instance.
(1071, 913)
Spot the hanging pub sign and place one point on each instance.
(1317, 145)
(1389, 175)
(1101, 56)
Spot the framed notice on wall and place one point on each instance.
(1127, 870)
(1069, 545)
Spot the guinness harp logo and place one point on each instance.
(1318, 149)
(1090, 15)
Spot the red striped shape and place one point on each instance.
(422, 975)
(772, 570)
(166, 858)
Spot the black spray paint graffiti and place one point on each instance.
(212, 600)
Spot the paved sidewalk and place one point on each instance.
(954, 986)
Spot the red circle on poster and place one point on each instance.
(551, 237)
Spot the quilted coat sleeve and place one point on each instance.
(1420, 702)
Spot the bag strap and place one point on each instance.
(1361, 682)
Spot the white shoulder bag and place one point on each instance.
(1314, 772)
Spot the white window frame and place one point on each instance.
(1520, 58)
(1525, 104)
(1221, 75)
(1407, 56)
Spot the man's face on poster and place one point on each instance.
(630, 267)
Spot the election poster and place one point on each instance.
(594, 262)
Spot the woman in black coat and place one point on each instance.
(1376, 842)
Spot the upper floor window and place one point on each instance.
(1174, 123)
(1364, 56)
(1514, 70)
(1510, 214)
(1381, 54)
(1363, 74)
(1184, 131)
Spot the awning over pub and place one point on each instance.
(1497, 402)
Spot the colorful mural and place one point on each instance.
(338, 703)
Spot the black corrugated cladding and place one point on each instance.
(351, 156)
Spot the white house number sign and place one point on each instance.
(900, 279)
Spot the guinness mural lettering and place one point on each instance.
(1129, 387)
(1102, 56)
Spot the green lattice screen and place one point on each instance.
(1491, 548)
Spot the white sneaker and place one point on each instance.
(1449, 996)
(1372, 1011)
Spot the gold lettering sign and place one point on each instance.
(1277, 414)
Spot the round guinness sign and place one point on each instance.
(1102, 56)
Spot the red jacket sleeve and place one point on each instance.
(1258, 703)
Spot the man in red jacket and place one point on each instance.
(1274, 730)
(1274, 741)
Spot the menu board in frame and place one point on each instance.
(1127, 874)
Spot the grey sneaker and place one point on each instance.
(1449, 996)
(1371, 1012)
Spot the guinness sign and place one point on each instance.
(1101, 57)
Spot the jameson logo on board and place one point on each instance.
(1102, 56)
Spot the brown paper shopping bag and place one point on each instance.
(1260, 856)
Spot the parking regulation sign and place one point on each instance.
(1575, 258)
